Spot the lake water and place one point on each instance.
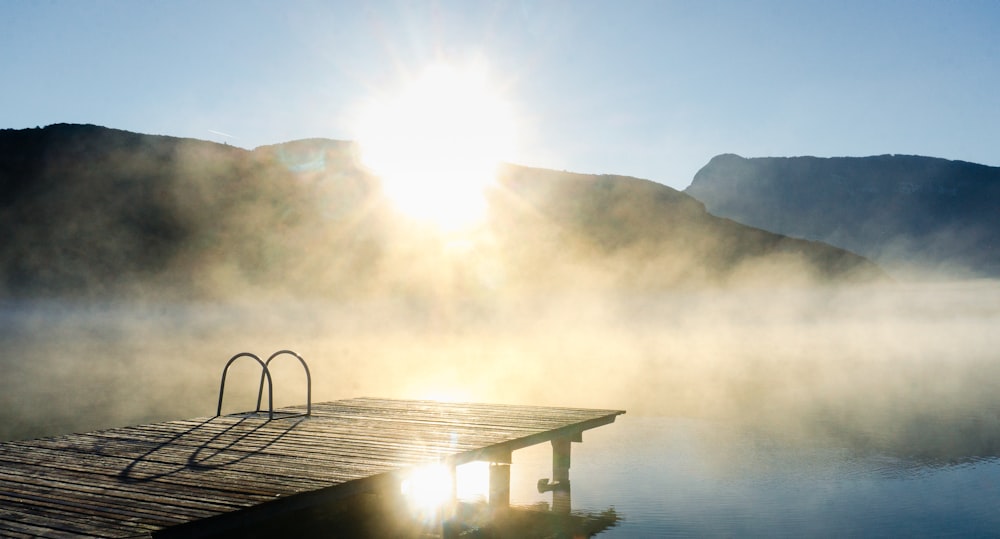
(669, 477)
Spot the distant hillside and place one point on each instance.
(904, 212)
(87, 210)
(647, 235)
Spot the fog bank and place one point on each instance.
(905, 368)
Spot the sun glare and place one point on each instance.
(472, 481)
(437, 143)
(427, 489)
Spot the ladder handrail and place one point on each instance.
(264, 374)
(260, 389)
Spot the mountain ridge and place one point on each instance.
(93, 210)
(903, 211)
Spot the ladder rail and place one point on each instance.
(267, 364)
(265, 374)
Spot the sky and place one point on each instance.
(646, 89)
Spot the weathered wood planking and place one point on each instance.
(190, 475)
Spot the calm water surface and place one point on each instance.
(680, 477)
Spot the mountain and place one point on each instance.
(87, 210)
(90, 210)
(906, 213)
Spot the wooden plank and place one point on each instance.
(190, 475)
(22, 526)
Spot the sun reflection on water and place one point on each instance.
(427, 490)
(472, 482)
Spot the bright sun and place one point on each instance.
(437, 143)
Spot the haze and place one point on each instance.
(906, 368)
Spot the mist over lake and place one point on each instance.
(905, 367)
(860, 386)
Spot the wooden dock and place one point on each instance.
(201, 476)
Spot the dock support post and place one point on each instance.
(499, 485)
(561, 451)
(500, 461)
(559, 485)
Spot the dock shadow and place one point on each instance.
(150, 465)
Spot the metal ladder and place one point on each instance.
(266, 375)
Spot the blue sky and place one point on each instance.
(648, 89)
